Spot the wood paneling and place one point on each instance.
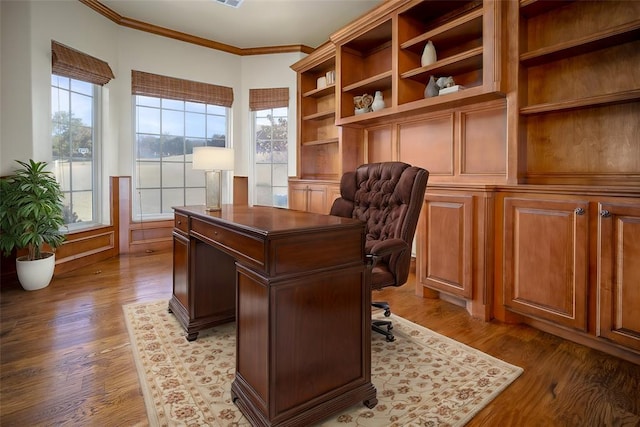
(429, 143)
(379, 144)
(240, 190)
(483, 142)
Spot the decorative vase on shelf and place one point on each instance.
(378, 102)
(431, 89)
(428, 54)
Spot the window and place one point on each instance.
(76, 82)
(270, 157)
(171, 117)
(75, 143)
(166, 132)
(270, 124)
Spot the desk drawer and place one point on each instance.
(181, 222)
(242, 247)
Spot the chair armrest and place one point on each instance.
(385, 248)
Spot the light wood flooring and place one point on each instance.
(66, 357)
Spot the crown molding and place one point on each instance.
(189, 38)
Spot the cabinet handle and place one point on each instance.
(605, 213)
(179, 222)
(579, 211)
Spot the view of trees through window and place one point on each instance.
(271, 158)
(166, 132)
(73, 111)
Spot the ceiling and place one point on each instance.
(256, 23)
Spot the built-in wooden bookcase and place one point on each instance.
(384, 54)
(458, 39)
(365, 66)
(317, 132)
(579, 92)
(324, 150)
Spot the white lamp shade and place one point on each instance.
(213, 158)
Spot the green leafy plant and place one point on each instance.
(30, 210)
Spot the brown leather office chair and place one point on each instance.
(388, 196)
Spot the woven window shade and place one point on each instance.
(148, 84)
(262, 99)
(72, 63)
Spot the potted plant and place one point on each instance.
(30, 217)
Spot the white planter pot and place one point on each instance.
(36, 274)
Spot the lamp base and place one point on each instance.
(213, 190)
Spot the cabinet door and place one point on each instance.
(619, 274)
(446, 264)
(317, 199)
(298, 197)
(181, 269)
(546, 259)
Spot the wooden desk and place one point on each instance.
(296, 281)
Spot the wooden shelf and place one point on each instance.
(530, 8)
(602, 39)
(573, 104)
(320, 142)
(371, 83)
(319, 93)
(320, 116)
(463, 62)
(453, 32)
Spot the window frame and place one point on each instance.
(96, 157)
(137, 210)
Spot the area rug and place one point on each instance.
(422, 379)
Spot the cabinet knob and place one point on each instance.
(605, 213)
(579, 211)
(179, 222)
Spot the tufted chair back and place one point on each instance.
(387, 196)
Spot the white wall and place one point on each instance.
(27, 28)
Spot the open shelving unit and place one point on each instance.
(385, 55)
(579, 68)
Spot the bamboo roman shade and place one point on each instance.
(148, 84)
(72, 63)
(261, 99)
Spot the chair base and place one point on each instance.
(383, 327)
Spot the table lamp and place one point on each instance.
(213, 160)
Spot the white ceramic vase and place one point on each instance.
(428, 54)
(35, 274)
(378, 102)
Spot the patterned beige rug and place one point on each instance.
(422, 379)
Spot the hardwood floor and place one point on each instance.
(66, 357)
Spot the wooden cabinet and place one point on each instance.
(308, 196)
(455, 247)
(618, 277)
(522, 161)
(570, 266)
(579, 92)
(546, 259)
